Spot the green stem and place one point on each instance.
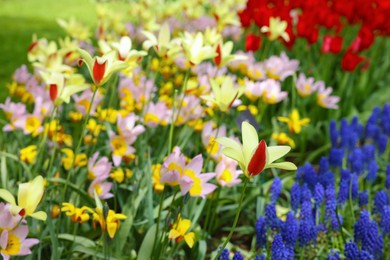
(158, 220)
(72, 169)
(235, 219)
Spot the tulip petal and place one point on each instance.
(250, 140)
(258, 160)
(276, 152)
(289, 166)
(40, 215)
(7, 196)
(234, 154)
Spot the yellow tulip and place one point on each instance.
(29, 196)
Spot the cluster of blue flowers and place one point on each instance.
(349, 190)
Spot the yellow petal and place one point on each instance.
(111, 229)
(289, 166)
(30, 194)
(276, 152)
(190, 239)
(7, 196)
(41, 215)
(250, 140)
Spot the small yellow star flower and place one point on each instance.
(79, 215)
(111, 223)
(277, 28)
(28, 154)
(294, 122)
(81, 159)
(283, 138)
(179, 232)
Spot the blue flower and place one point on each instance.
(323, 165)
(327, 179)
(271, 219)
(356, 161)
(385, 221)
(296, 196)
(308, 174)
(382, 143)
(319, 193)
(290, 230)
(387, 184)
(363, 198)
(306, 194)
(344, 133)
(276, 189)
(372, 171)
(330, 207)
(278, 250)
(224, 255)
(238, 256)
(333, 255)
(336, 156)
(355, 186)
(351, 251)
(260, 257)
(369, 152)
(343, 194)
(366, 232)
(380, 201)
(307, 229)
(385, 119)
(364, 255)
(261, 233)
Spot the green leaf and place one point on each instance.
(77, 239)
(147, 244)
(202, 248)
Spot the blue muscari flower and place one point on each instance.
(290, 230)
(296, 196)
(327, 179)
(380, 201)
(385, 119)
(306, 194)
(308, 174)
(261, 233)
(334, 135)
(363, 198)
(355, 185)
(343, 194)
(333, 255)
(364, 255)
(344, 188)
(319, 193)
(336, 156)
(260, 257)
(372, 170)
(238, 256)
(271, 219)
(382, 143)
(356, 126)
(307, 228)
(330, 207)
(276, 189)
(344, 133)
(387, 183)
(323, 165)
(385, 221)
(372, 128)
(278, 250)
(224, 255)
(356, 160)
(351, 251)
(369, 152)
(366, 232)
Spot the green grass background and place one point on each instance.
(20, 19)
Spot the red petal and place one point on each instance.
(98, 71)
(218, 58)
(258, 160)
(80, 62)
(22, 212)
(32, 46)
(53, 92)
